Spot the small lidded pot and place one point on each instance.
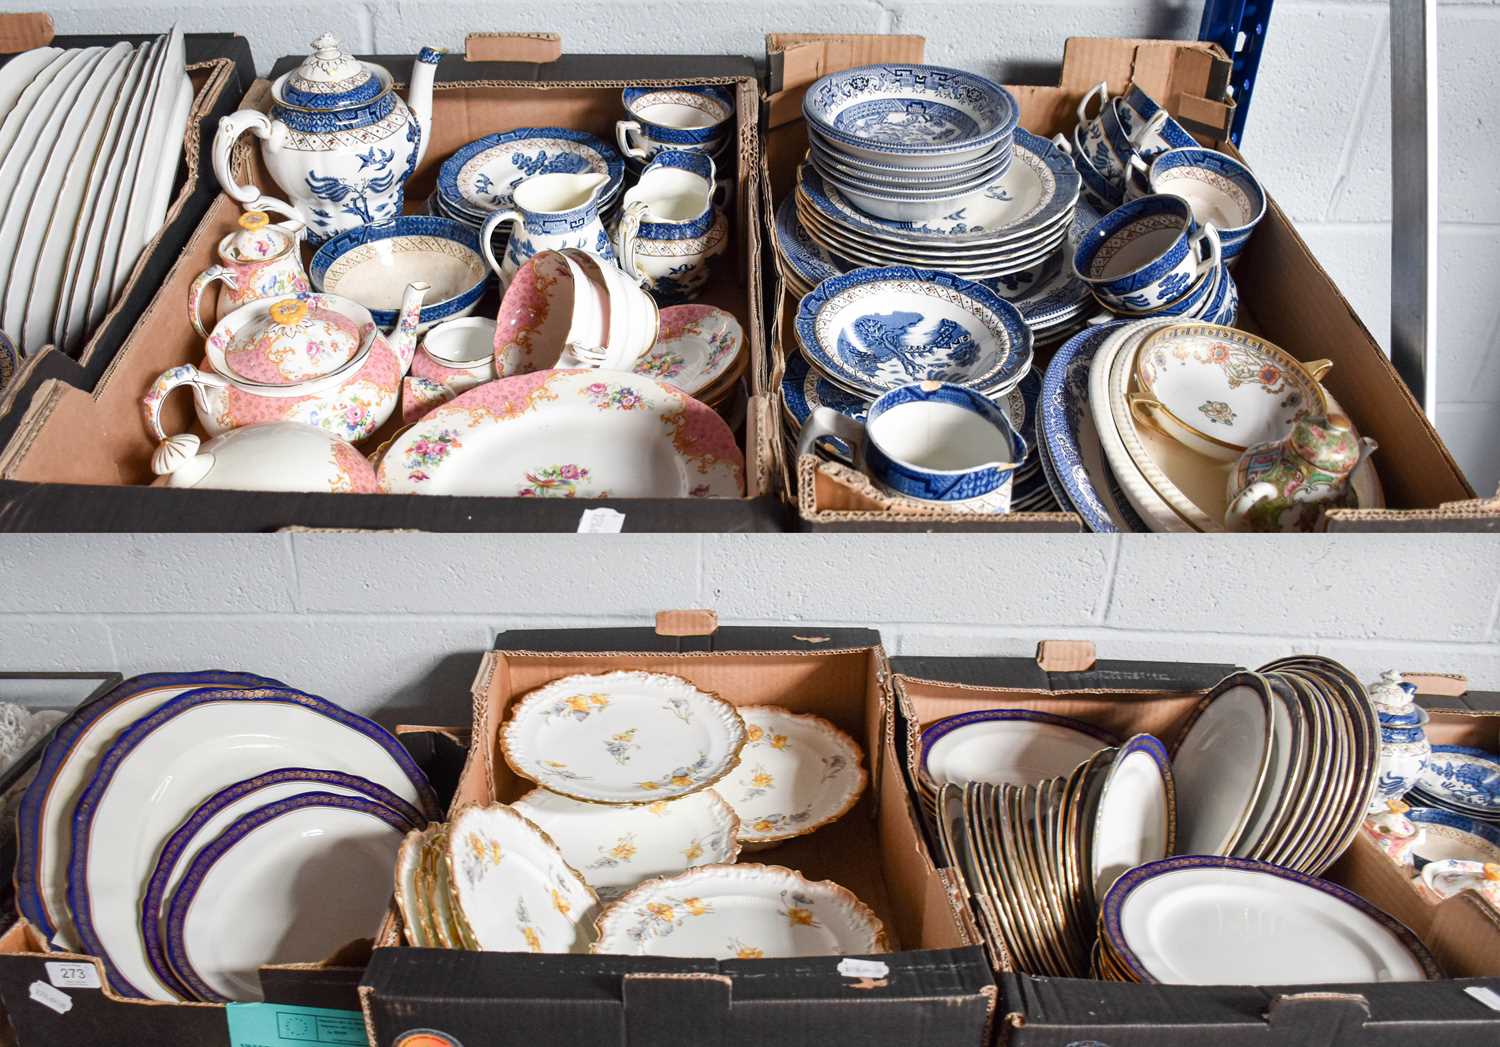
(1404, 749)
(1393, 832)
(258, 260)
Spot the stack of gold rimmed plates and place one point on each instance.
(1201, 920)
(1036, 858)
(1169, 478)
(1278, 765)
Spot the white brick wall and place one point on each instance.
(396, 627)
(1319, 132)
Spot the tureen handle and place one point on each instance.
(231, 128)
(184, 374)
(198, 286)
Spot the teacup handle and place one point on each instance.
(623, 129)
(487, 233)
(629, 235)
(1153, 124)
(1318, 368)
(1209, 235)
(1062, 143)
(1102, 90)
(1137, 175)
(231, 128)
(199, 286)
(825, 423)
(184, 374)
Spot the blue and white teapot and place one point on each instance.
(1404, 748)
(339, 141)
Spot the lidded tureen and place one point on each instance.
(1404, 749)
(338, 140)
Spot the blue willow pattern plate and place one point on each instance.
(1464, 776)
(805, 255)
(481, 176)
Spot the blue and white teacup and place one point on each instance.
(1104, 195)
(930, 441)
(697, 118)
(1145, 253)
(1219, 189)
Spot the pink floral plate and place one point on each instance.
(696, 346)
(568, 434)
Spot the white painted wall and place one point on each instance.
(1319, 131)
(395, 626)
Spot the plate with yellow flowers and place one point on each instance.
(797, 773)
(622, 737)
(739, 912)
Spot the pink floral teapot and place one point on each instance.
(312, 358)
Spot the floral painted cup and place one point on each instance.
(1145, 253)
(929, 441)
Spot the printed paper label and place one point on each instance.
(285, 1025)
(73, 975)
(850, 967)
(601, 521)
(47, 996)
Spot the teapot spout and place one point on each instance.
(419, 94)
(403, 339)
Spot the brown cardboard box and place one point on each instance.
(469, 101)
(1462, 932)
(1286, 294)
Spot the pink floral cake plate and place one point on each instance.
(568, 434)
(695, 347)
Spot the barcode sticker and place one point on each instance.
(850, 967)
(73, 975)
(601, 521)
(53, 999)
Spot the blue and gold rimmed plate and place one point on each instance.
(160, 770)
(480, 177)
(258, 893)
(1006, 747)
(874, 330)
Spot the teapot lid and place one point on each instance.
(256, 240)
(331, 78)
(294, 342)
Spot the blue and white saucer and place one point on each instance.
(480, 177)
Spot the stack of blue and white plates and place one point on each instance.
(187, 828)
(1461, 779)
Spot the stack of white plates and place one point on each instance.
(89, 146)
(187, 828)
(910, 142)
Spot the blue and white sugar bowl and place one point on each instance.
(1404, 749)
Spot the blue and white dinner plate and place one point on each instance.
(1040, 188)
(480, 177)
(910, 110)
(873, 330)
(1463, 777)
(802, 254)
(1065, 426)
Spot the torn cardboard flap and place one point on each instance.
(1446, 685)
(797, 60)
(531, 48)
(23, 30)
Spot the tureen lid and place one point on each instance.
(256, 240)
(292, 343)
(330, 78)
(1391, 694)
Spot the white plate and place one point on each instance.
(695, 346)
(1008, 747)
(409, 899)
(1268, 803)
(568, 434)
(1221, 762)
(92, 236)
(159, 771)
(510, 887)
(17, 74)
(259, 892)
(1135, 821)
(797, 773)
(216, 815)
(45, 820)
(745, 912)
(622, 737)
(1207, 921)
(35, 279)
(616, 848)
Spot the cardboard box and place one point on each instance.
(937, 991)
(221, 69)
(1286, 294)
(1126, 697)
(79, 456)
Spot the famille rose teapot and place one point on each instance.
(1284, 485)
(339, 141)
(313, 358)
(258, 260)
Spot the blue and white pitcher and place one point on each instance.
(551, 212)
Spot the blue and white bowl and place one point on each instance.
(995, 159)
(1219, 189)
(873, 330)
(913, 115)
(373, 264)
(1144, 253)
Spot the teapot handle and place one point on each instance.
(296, 222)
(231, 128)
(199, 285)
(184, 374)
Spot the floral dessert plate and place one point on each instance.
(258, 893)
(1007, 746)
(411, 899)
(1450, 835)
(44, 821)
(739, 912)
(1040, 188)
(696, 345)
(160, 770)
(622, 737)
(615, 848)
(480, 177)
(1464, 777)
(1221, 763)
(219, 813)
(1202, 920)
(797, 773)
(879, 329)
(510, 888)
(568, 434)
